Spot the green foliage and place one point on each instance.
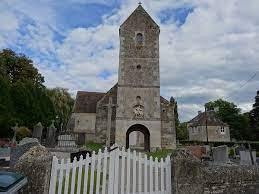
(18, 68)
(182, 132)
(24, 99)
(63, 104)
(229, 113)
(22, 132)
(163, 153)
(91, 146)
(231, 152)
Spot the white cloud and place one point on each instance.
(210, 56)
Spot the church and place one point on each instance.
(132, 113)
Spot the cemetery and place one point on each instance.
(127, 140)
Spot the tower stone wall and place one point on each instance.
(138, 96)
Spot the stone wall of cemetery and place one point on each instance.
(191, 176)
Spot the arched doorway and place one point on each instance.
(142, 129)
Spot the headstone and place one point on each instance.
(37, 131)
(51, 135)
(245, 157)
(35, 164)
(240, 148)
(24, 145)
(220, 154)
(66, 141)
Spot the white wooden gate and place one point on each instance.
(116, 172)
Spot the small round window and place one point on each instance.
(139, 38)
(138, 67)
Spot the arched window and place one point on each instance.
(139, 38)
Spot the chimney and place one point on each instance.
(199, 112)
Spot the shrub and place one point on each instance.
(231, 152)
(22, 132)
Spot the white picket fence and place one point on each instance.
(116, 172)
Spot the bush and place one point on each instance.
(91, 146)
(231, 152)
(22, 132)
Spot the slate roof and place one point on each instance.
(86, 101)
(212, 120)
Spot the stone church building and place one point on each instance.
(132, 112)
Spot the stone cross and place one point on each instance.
(37, 131)
(15, 131)
(108, 135)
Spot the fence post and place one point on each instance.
(68, 165)
(98, 171)
(151, 175)
(162, 175)
(86, 173)
(128, 172)
(60, 180)
(145, 174)
(92, 174)
(122, 169)
(53, 178)
(80, 165)
(139, 172)
(104, 171)
(111, 172)
(73, 175)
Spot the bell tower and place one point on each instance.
(138, 96)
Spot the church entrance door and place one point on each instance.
(144, 131)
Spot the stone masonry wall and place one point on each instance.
(191, 176)
(102, 117)
(168, 135)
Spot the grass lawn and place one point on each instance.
(82, 181)
(163, 153)
(91, 146)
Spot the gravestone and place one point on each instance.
(66, 140)
(220, 154)
(24, 145)
(245, 157)
(51, 135)
(240, 148)
(37, 131)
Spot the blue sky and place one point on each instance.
(208, 49)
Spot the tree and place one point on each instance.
(182, 132)
(229, 113)
(32, 104)
(24, 98)
(63, 104)
(181, 129)
(18, 68)
(6, 108)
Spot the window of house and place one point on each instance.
(222, 130)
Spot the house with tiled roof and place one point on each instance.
(206, 125)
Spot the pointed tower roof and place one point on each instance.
(139, 11)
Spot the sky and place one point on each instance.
(209, 49)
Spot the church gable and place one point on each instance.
(139, 15)
(86, 102)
